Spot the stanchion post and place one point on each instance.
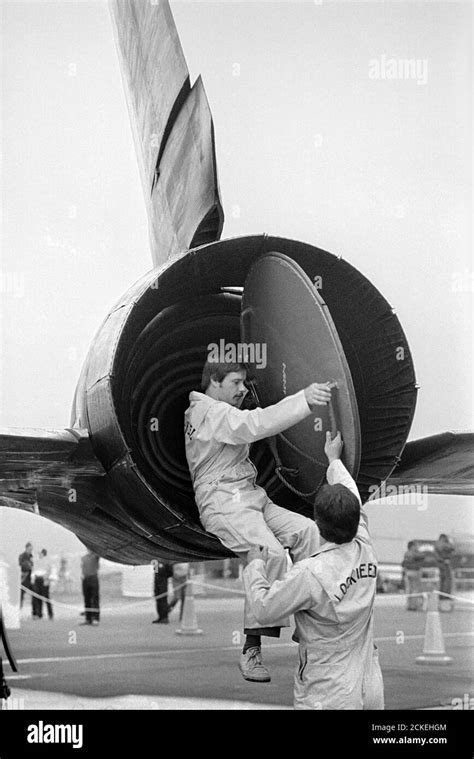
(189, 623)
(434, 651)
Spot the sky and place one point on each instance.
(323, 134)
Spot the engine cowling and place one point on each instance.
(148, 355)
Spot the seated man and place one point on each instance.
(331, 595)
(231, 505)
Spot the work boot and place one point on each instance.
(252, 667)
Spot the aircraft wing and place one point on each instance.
(34, 458)
(443, 463)
(55, 474)
(172, 128)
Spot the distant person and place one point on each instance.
(25, 561)
(64, 575)
(162, 572)
(41, 575)
(179, 580)
(444, 550)
(332, 596)
(412, 564)
(90, 587)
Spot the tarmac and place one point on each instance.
(126, 662)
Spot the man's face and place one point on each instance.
(232, 389)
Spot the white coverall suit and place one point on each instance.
(331, 595)
(231, 505)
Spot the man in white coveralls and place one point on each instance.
(332, 596)
(231, 505)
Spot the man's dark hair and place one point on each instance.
(217, 371)
(337, 513)
(411, 543)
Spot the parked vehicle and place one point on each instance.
(390, 575)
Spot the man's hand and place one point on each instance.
(257, 552)
(333, 448)
(318, 394)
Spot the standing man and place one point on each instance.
(231, 505)
(332, 596)
(90, 587)
(41, 580)
(444, 550)
(25, 561)
(162, 571)
(64, 575)
(412, 563)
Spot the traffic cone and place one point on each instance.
(434, 651)
(189, 623)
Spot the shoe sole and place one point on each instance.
(256, 679)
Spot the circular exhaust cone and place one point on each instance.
(290, 341)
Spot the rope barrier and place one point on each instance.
(103, 608)
(134, 603)
(425, 594)
(456, 598)
(218, 587)
(198, 583)
(413, 595)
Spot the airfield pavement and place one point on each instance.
(127, 662)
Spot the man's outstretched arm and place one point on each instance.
(227, 424)
(337, 474)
